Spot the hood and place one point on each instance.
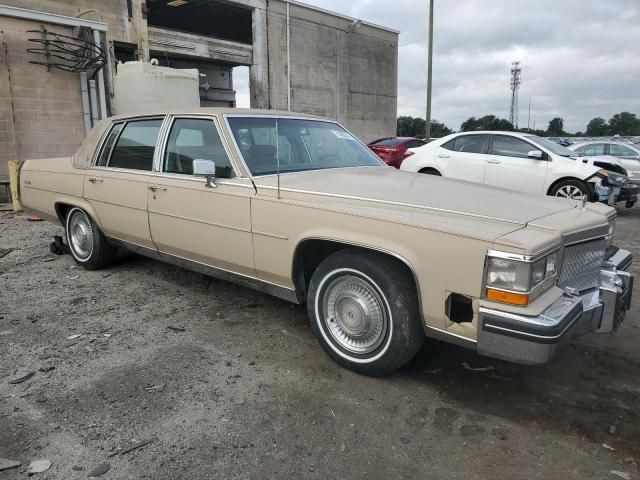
(427, 201)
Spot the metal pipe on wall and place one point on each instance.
(103, 97)
(86, 109)
(288, 61)
(94, 101)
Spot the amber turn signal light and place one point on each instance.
(507, 297)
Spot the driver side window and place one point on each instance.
(192, 139)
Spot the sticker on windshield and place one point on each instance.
(342, 134)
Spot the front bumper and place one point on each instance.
(534, 340)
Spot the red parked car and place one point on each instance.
(393, 150)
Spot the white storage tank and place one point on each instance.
(143, 87)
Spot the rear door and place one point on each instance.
(463, 157)
(509, 165)
(116, 184)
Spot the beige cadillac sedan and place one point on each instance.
(297, 207)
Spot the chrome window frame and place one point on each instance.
(92, 165)
(226, 117)
(158, 165)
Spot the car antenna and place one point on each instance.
(277, 159)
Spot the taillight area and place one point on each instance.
(408, 154)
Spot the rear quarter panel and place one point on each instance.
(48, 181)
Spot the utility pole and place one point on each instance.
(529, 116)
(427, 130)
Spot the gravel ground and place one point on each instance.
(228, 383)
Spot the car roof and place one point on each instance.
(613, 142)
(495, 132)
(219, 111)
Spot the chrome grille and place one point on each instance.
(581, 264)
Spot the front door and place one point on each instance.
(509, 165)
(193, 221)
(116, 186)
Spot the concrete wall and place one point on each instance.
(40, 111)
(112, 12)
(338, 71)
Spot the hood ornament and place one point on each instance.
(584, 202)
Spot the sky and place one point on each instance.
(580, 58)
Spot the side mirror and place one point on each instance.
(207, 168)
(535, 154)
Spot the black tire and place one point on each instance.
(389, 288)
(564, 188)
(431, 171)
(96, 252)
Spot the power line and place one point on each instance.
(413, 43)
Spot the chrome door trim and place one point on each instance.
(285, 293)
(189, 219)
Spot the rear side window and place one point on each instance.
(103, 158)
(593, 149)
(467, 144)
(195, 139)
(415, 143)
(511, 147)
(621, 151)
(135, 146)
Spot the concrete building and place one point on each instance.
(300, 58)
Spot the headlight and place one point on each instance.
(518, 282)
(612, 178)
(508, 274)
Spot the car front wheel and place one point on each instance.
(572, 189)
(87, 245)
(363, 308)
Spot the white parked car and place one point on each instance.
(627, 153)
(513, 160)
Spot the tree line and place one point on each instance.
(623, 123)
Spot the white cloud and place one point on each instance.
(579, 58)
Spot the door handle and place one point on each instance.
(443, 155)
(95, 180)
(155, 188)
(494, 161)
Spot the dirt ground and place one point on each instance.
(228, 383)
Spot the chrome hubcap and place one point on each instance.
(354, 315)
(570, 191)
(80, 235)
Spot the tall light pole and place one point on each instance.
(427, 131)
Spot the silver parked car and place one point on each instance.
(628, 153)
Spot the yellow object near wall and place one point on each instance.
(14, 169)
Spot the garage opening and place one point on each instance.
(211, 18)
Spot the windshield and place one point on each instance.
(552, 146)
(301, 145)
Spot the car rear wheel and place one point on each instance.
(87, 245)
(363, 309)
(572, 189)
